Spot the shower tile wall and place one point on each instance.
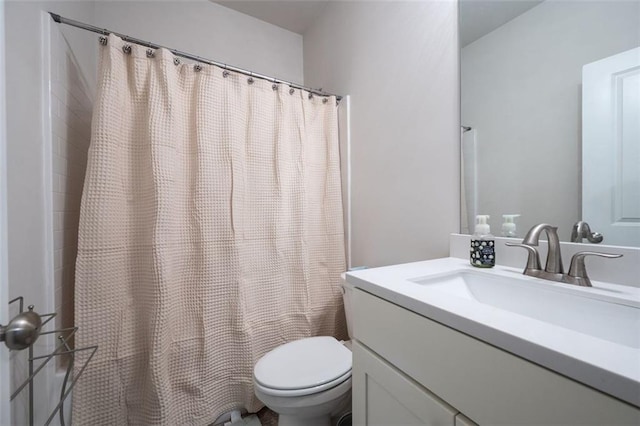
(71, 109)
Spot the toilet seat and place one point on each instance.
(304, 391)
(303, 367)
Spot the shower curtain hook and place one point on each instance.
(198, 67)
(250, 79)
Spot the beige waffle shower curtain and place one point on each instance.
(210, 232)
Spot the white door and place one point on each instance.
(611, 147)
(5, 415)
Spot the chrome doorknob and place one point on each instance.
(22, 331)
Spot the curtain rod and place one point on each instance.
(62, 20)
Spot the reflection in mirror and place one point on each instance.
(551, 116)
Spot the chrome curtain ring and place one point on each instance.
(197, 67)
(176, 61)
(126, 49)
(291, 91)
(225, 73)
(150, 53)
(102, 40)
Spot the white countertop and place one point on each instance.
(604, 365)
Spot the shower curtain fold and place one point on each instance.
(211, 232)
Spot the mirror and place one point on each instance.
(550, 112)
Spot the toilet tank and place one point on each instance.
(347, 296)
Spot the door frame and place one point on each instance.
(5, 406)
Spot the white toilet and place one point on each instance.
(308, 380)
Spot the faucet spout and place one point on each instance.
(554, 255)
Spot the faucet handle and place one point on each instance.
(533, 261)
(578, 270)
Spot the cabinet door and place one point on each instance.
(382, 395)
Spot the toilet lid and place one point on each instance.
(303, 364)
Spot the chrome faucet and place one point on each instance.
(553, 269)
(582, 230)
(554, 257)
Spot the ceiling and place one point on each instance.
(293, 15)
(480, 17)
(477, 17)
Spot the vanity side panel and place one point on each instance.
(487, 384)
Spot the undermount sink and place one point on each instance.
(614, 319)
(588, 334)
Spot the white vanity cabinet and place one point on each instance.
(382, 395)
(410, 370)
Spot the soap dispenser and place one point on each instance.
(483, 252)
(509, 225)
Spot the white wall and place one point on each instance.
(399, 62)
(28, 174)
(208, 30)
(521, 91)
(71, 110)
(27, 183)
